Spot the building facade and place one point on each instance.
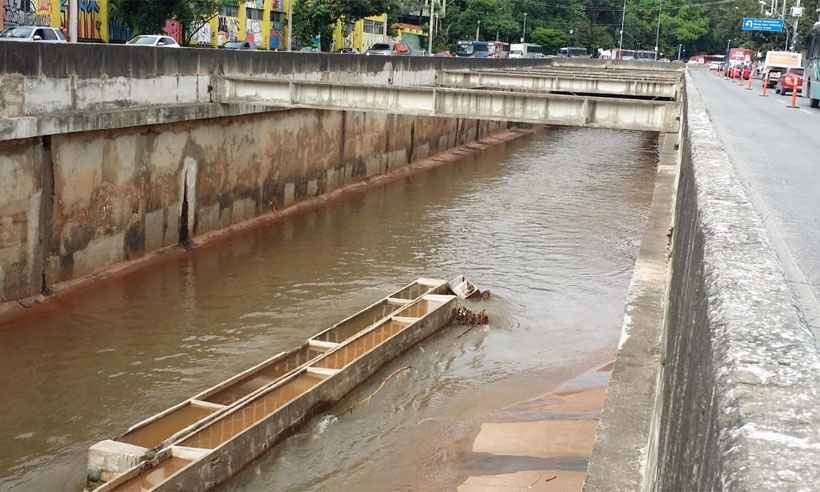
(262, 22)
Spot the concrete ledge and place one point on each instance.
(733, 402)
(621, 443)
(84, 121)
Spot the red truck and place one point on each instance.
(736, 59)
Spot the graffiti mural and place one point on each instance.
(23, 12)
(227, 29)
(202, 37)
(174, 29)
(118, 33)
(253, 32)
(92, 15)
(274, 40)
(90, 23)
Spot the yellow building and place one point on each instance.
(263, 22)
(361, 34)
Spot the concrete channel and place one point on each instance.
(714, 384)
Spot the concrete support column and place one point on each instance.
(73, 20)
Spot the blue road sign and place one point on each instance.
(766, 25)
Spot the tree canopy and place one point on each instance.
(695, 25)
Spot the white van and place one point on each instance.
(526, 50)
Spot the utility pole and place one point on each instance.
(290, 25)
(623, 18)
(783, 16)
(524, 34)
(658, 31)
(430, 31)
(795, 11)
(73, 20)
(477, 29)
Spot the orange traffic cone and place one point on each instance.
(794, 97)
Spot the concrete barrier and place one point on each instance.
(83, 87)
(723, 393)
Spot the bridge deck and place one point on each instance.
(501, 105)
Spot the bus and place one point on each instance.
(526, 50)
(619, 54)
(811, 77)
(473, 49)
(573, 52)
(645, 55)
(499, 49)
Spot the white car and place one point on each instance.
(157, 40)
(40, 34)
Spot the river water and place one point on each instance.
(550, 223)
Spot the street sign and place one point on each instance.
(766, 25)
(797, 11)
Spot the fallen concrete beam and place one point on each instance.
(564, 81)
(523, 107)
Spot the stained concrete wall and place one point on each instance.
(38, 79)
(75, 204)
(741, 393)
(723, 392)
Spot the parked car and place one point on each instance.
(348, 51)
(444, 54)
(155, 40)
(792, 80)
(715, 65)
(239, 45)
(309, 49)
(773, 75)
(379, 49)
(38, 34)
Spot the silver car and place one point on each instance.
(157, 40)
(380, 49)
(40, 34)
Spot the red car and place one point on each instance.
(792, 80)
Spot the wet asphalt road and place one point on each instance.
(776, 152)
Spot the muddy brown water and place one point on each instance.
(550, 223)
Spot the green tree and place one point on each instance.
(318, 17)
(550, 38)
(143, 16)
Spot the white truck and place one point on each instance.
(526, 50)
(778, 62)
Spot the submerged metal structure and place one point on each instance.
(205, 439)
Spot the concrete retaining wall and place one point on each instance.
(75, 204)
(37, 79)
(732, 401)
